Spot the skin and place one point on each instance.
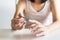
(38, 28)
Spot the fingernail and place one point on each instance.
(30, 20)
(33, 25)
(31, 29)
(37, 35)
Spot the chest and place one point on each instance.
(37, 7)
(31, 11)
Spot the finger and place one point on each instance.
(22, 21)
(37, 22)
(15, 21)
(38, 31)
(35, 28)
(18, 27)
(32, 25)
(40, 34)
(19, 20)
(15, 27)
(20, 16)
(21, 24)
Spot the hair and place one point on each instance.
(42, 1)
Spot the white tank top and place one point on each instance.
(44, 16)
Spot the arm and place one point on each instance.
(17, 22)
(39, 29)
(20, 8)
(56, 15)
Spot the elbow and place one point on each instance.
(58, 21)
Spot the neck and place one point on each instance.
(37, 2)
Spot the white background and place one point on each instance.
(7, 9)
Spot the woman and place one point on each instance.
(37, 16)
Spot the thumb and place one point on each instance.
(37, 22)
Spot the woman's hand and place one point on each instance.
(17, 24)
(38, 28)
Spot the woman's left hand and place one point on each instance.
(38, 28)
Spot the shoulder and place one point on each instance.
(53, 9)
(51, 1)
(21, 3)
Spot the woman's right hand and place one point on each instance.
(17, 24)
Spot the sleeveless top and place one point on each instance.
(44, 16)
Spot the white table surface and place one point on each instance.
(7, 34)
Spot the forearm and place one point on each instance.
(19, 8)
(55, 8)
(56, 14)
(53, 27)
(18, 11)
